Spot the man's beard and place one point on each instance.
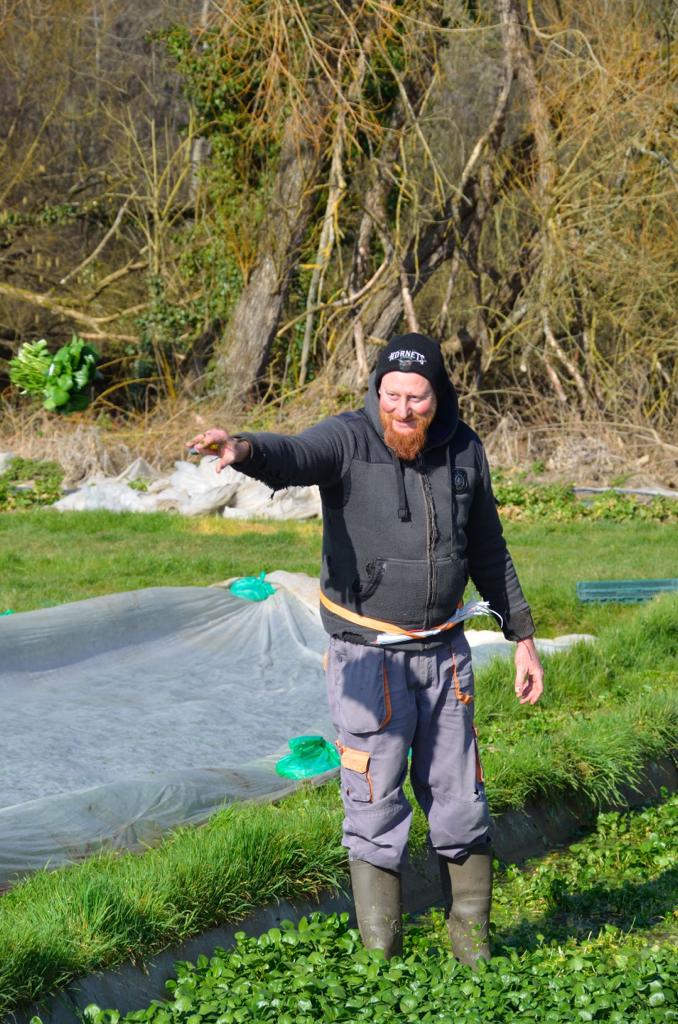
(406, 446)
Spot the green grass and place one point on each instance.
(49, 558)
(582, 935)
(552, 558)
(609, 708)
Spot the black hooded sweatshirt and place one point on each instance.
(400, 539)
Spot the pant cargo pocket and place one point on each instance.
(355, 774)
(358, 688)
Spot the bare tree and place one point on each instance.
(308, 178)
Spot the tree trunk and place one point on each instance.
(243, 351)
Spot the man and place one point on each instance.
(408, 516)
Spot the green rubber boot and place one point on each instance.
(467, 888)
(378, 907)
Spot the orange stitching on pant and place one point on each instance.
(480, 778)
(465, 698)
(387, 699)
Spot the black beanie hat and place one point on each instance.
(414, 353)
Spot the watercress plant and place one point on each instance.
(62, 380)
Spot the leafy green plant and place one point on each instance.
(568, 943)
(426, 987)
(518, 500)
(622, 875)
(62, 380)
(29, 483)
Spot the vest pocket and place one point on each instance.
(406, 591)
(364, 588)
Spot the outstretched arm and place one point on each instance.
(319, 455)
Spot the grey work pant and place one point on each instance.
(382, 704)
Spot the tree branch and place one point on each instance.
(45, 302)
(102, 244)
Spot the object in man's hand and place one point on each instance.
(207, 450)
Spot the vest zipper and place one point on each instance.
(431, 538)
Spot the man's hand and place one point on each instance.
(226, 448)
(529, 672)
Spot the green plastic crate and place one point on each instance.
(624, 591)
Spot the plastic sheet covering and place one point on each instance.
(126, 715)
(193, 489)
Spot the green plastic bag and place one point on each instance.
(311, 755)
(252, 588)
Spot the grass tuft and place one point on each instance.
(608, 708)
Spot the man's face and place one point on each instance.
(407, 405)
